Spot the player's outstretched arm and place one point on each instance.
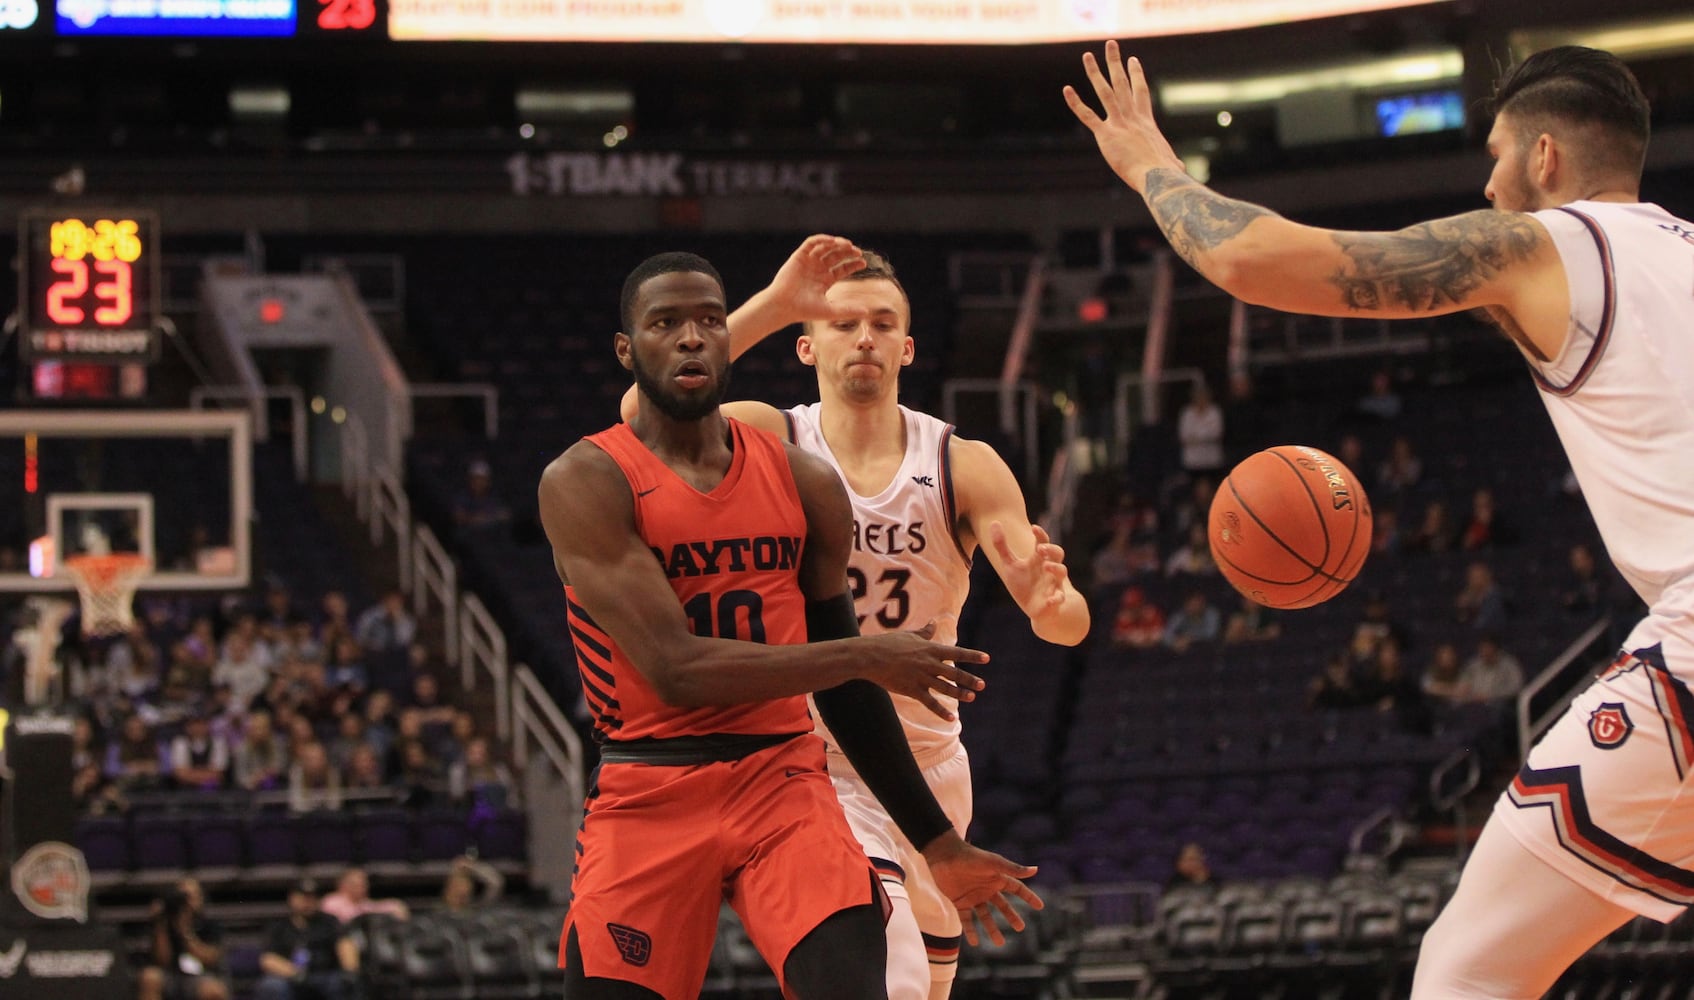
(1033, 568)
(1485, 259)
(795, 295)
(589, 516)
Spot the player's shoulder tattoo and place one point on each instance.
(1434, 264)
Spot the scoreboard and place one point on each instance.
(88, 286)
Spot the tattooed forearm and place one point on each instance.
(1194, 217)
(1428, 266)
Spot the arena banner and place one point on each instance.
(670, 175)
(62, 963)
(930, 22)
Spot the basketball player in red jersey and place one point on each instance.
(676, 535)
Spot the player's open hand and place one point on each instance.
(913, 664)
(980, 883)
(1035, 581)
(1128, 137)
(801, 283)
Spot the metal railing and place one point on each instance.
(483, 644)
(1530, 728)
(391, 508)
(434, 575)
(1123, 427)
(1017, 352)
(536, 718)
(255, 401)
(1464, 763)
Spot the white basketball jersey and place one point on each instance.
(907, 565)
(1621, 395)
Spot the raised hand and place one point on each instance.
(800, 284)
(910, 663)
(1036, 581)
(980, 883)
(1128, 137)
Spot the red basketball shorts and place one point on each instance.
(663, 846)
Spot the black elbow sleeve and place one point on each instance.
(862, 719)
(833, 618)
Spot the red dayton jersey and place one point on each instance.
(733, 558)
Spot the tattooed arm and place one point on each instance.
(1504, 262)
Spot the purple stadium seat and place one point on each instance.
(159, 842)
(441, 836)
(215, 842)
(104, 841)
(326, 839)
(273, 841)
(385, 836)
(502, 836)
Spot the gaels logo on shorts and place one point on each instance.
(635, 946)
(1609, 725)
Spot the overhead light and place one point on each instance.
(1621, 38)
(247, 102)
(1435, 66)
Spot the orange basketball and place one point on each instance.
(1290, 527)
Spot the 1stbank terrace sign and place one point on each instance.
(669, 175)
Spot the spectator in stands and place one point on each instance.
(132, 760)
(386, 625)
(1195, 557)
(261, 758)
(460, 732)
(307, 955)
(426, 700)
(1351, 451)
(93, 792)
(186, 949)
(1381, 402)
(1196, 621)
(312, 783)
(379, 721)
(477, 507)
(1585, 591)
(1400, 472)
(1336, 686)
(1385, 537)
(279, 612)
(1139, 624)
(1122, 558)
(1251, 622)
(1199, 428)
(1393, 690)
(345, 667)
(198, 760)
(479, 779)
(1435, 533)
(352, 899)
(1378, 625)
(1193, 509)
(349, 736)
(333, 621)
(365, 772)
(1486, 529)
(1441, 683)
(300, 642)
(244, 663)
(1192, 869)
(459, 891)
(132, 664)
(421, 777)
(1480, 603)
(1492, 674)
(198, 650)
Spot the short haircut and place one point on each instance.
(673, 262)
(1574, 85)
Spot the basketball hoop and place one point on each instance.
(107, 585)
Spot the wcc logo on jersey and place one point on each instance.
(635, 946)
(1609, 725)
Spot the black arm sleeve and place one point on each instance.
(861, 717)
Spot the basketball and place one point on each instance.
(1290, 527)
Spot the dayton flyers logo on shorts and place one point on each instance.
(1609, 725)
(635, 946)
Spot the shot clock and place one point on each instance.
(89, 286)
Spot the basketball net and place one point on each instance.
(107, 585)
